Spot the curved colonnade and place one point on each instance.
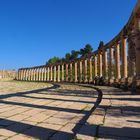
(117, 62)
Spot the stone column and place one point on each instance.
(105, 65)
(111, 55)
(124, 60)
(62, 69)
(95, 66)
(45, 75)
(58, 73)
(137, 43)
(80, 71)
(42, 74)
(118, 74)
(51, 73)
(90, 70)
(67, 72)
(48, 74)
(54, 78)
(71, 76)
(85, 71)
(75, 72)
(38, 74)
(33, 77)
(21, 75)
(30, 74)
(100, 65)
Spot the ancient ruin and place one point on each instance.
(111, 64)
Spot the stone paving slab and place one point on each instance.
(42, 111)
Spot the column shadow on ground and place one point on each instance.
(39, 132)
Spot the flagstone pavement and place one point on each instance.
(46, 111)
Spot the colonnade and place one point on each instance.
(117, 62)
(7, 74)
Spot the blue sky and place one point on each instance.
(32, 31)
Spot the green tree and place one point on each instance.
(53, 60)
(86, 51)
(67, 56)
(74, 54)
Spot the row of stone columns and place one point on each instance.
(4, 74)
(117, 62)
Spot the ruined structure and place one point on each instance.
(7, 74)
(110, 64)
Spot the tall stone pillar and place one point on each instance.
(20, 74)
(80, 71)
(85, 71)
(45, 74)
(124, 60)
(75, 72)
(48, 74)
(54, 78)
(137, 43)
(95, 66)
(42, 73)
(111, 57)
(118, 74)
(62, 69)
(67, 72)
(71, 72)
(100, 64)
(33, 76)
(51, 73)
(90, 70)
(38, 74)
(58, 73)
(105, 65)
(30, 74)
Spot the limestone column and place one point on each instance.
(85, 71)
(62, 69)
(38, 74)
(137, 43)
(75, 72)
(54, 78)
(48, 74)
(100, 64)
(42, 73)
(105, 65)
(34, 74)
(58, 73)
(67, 72)
(80, 71)
(118, 74)
(95, 66)
(90, 70)
(111, 57)
(71, 71)
(51, 73)
(124, 60)
(45, 74)
(20, 74)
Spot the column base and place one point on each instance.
(130, 81)
(85, 81)
(111, 81)
(106, 81)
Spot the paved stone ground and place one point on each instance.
(116, 118)
(43, 111)
(67, 111)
